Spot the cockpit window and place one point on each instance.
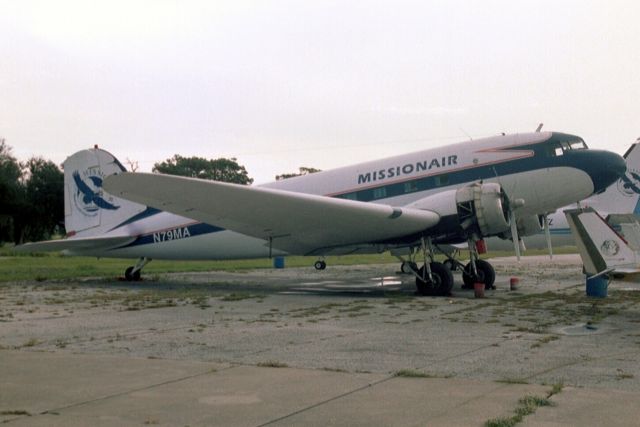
(563, 146)
(578, 145)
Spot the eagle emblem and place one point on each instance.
(88, 196)
(610, 247)
(629, 184)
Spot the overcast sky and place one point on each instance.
(283, 84)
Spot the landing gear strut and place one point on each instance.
(477, 270)
(484, 274)
(440, 283)
(132, 273)
(408, 267)
(433, 278)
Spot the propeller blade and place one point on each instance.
(547, 235)
(514, 233)
(523, 247)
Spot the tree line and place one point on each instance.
(32, 192)
(31, 198)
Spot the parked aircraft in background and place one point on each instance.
(607, 246)
(412, 204)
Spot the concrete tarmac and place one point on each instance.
(347, 346)
(87, 390)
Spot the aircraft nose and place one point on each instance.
(604, 168)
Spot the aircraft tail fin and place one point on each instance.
(601, 248)
(624, 195)
(89, 210)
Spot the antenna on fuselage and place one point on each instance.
(465, 132)
(539, 128)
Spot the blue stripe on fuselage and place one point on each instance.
(174, 233)
(147, 213)
(559, 231)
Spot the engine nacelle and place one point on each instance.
(477, 208)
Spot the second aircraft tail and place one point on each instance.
(624, 195)
(602, 249)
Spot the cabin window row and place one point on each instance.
(397, 189)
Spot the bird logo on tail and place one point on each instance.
(610, 248)
(629, 184)
(88, 196)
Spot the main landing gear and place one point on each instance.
(433, 278)
(477, 270)
(132, 273)
(484, 274)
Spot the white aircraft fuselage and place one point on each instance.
(544, 171)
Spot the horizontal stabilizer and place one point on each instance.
(294, 222)
(77, 245)
(626, 271)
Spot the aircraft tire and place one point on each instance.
(442, 281)
(320, 265)
(130, 275)
(489, 274)
(486, 275)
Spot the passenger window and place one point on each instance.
(442, 180)
(380, 193)
(349, 196)
(410, 187)
(364, 195)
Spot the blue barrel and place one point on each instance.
(278, 262)
(597, 286)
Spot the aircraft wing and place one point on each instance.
(294, 222)
(76, 245)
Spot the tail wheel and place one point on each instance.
(320, 265)
(486, 274)
(130, 275)
(441, 284)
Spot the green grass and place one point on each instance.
(411, 373)
(54, 266)
(272, 364)
(512, 381)
(526, 406)
(556, 388)
(236, 296)
(15, 412)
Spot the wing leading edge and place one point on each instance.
(294, 222)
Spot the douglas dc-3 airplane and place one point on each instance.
(413, 204)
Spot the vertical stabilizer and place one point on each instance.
(88, 209)
(601, 247)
